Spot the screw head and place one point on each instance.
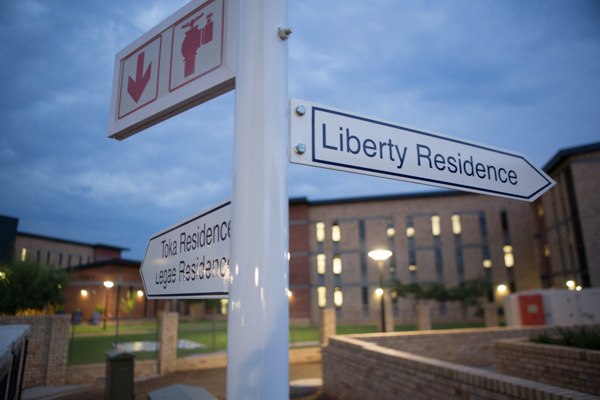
(284, 32)
(300, 148)
(301, 110)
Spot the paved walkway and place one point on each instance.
(213, 380)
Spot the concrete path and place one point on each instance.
(213, 380)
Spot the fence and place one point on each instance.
(88, 343)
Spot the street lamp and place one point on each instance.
(107, 285)
(380, 256)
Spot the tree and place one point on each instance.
(470, 294)
(29, 285)
(128, 304)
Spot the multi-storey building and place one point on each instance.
(444, 237)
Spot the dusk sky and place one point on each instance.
(522, 75)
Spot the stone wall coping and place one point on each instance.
(450, 332)
(565, 352)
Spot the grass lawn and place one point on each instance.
(92, 349)
(92, 346)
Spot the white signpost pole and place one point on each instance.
(257, 343)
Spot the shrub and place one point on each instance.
(584, 337)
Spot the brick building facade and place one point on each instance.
(444, 237)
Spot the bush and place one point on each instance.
(581, 337)
(30, 286)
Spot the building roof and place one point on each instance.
(561, 155)
(113, 261)
(419, 195)
(106, 246)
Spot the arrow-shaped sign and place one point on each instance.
(335, 139)
(191, 258)
(136, 88)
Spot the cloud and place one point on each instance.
(517, 75)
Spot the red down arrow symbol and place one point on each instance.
(136, 88)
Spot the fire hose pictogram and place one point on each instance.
(195, 37)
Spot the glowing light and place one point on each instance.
(321, 263)
(571, 284)
(509, 259)
(391, 232)
(456, 227)
(487, 263)
(338, 297)
(502, 288)
(289, 293)
(379, 291)
(336, 234)
(578, 288)
(410, 231)
(322, 296)
(412, 268)
(140, 293)
(320, 231)
(109, 284)
(435, 225)
(84, 292)
(380, 255)
(337, 265)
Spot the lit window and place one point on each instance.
(24, 254)
(571, 285)
(456, 227)
(321, 263)
(337, 265)
(487, 263)
(547, 250)
(509, 259)
(410, 231)
(540, 210)
(320, 231)
(224, 306)
(322, 296)
(336, 234)
(338, 297)
(435, 225)
(391, 232)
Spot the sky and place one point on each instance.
(518, 75)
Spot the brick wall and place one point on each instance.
(46, 363)
(47, 348)
(357, 369)
(472, 347)
(572, 368)
(168, 331)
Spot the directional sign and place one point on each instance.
(187, 59)
(335, 139)
(190, 259)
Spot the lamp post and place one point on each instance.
(107, 285)
(380, 256)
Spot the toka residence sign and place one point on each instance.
(190, 260)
